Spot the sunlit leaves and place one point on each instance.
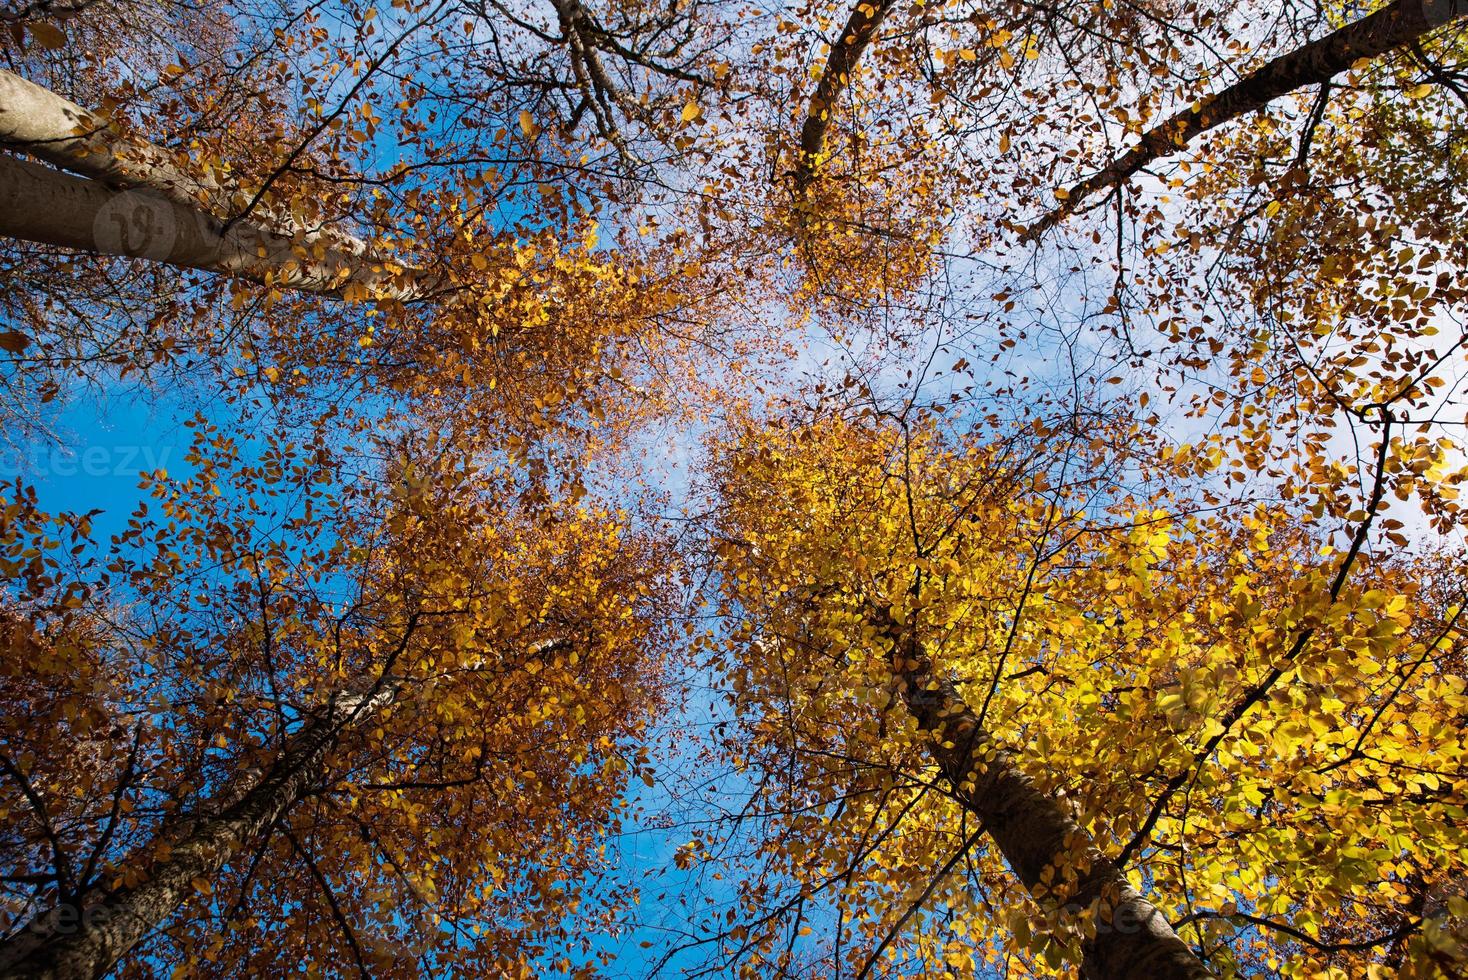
(1111, 651)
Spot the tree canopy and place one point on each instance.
(688, 488)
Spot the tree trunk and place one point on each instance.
(860, 28)
(1391, 27)
(85, 941)
(171, 214)
(39, 122)
(38, 204)
(1036, 834)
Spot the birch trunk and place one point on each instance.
(85, 942)
(38, 204)
(139, 201)
(1034, 832)
(1391, 27)
(37, 121)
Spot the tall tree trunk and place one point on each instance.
(38, 204)
(861, 28)
(173, 214)
(85, 941)
(1391, 27)
(1035, 832)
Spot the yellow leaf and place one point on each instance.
(1419, 91)
(691, 111)
(527, 123)
(1063, 193)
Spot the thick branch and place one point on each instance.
(79, 943)
(37, 121)
(1395, 25)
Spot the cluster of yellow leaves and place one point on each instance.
(1109, 640)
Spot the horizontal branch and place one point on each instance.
(173, 214)
(38, 204)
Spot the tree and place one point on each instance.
(1071, 566)
(1397, 25)
(398, 739)
(174, 224)
(945, 641)
(538, 309)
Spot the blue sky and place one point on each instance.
(104, 441)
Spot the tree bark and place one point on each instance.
(163, 204)
(1053, 856)
(1391, 27)
(38, 204)
(85, 941)
(37, 121)
(856, 36)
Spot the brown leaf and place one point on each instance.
(48, 36)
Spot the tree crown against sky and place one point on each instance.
(696, 488)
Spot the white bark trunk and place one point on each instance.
(37, 121)
(160, 209)
(38, 204)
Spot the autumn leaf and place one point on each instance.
(47, 35)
